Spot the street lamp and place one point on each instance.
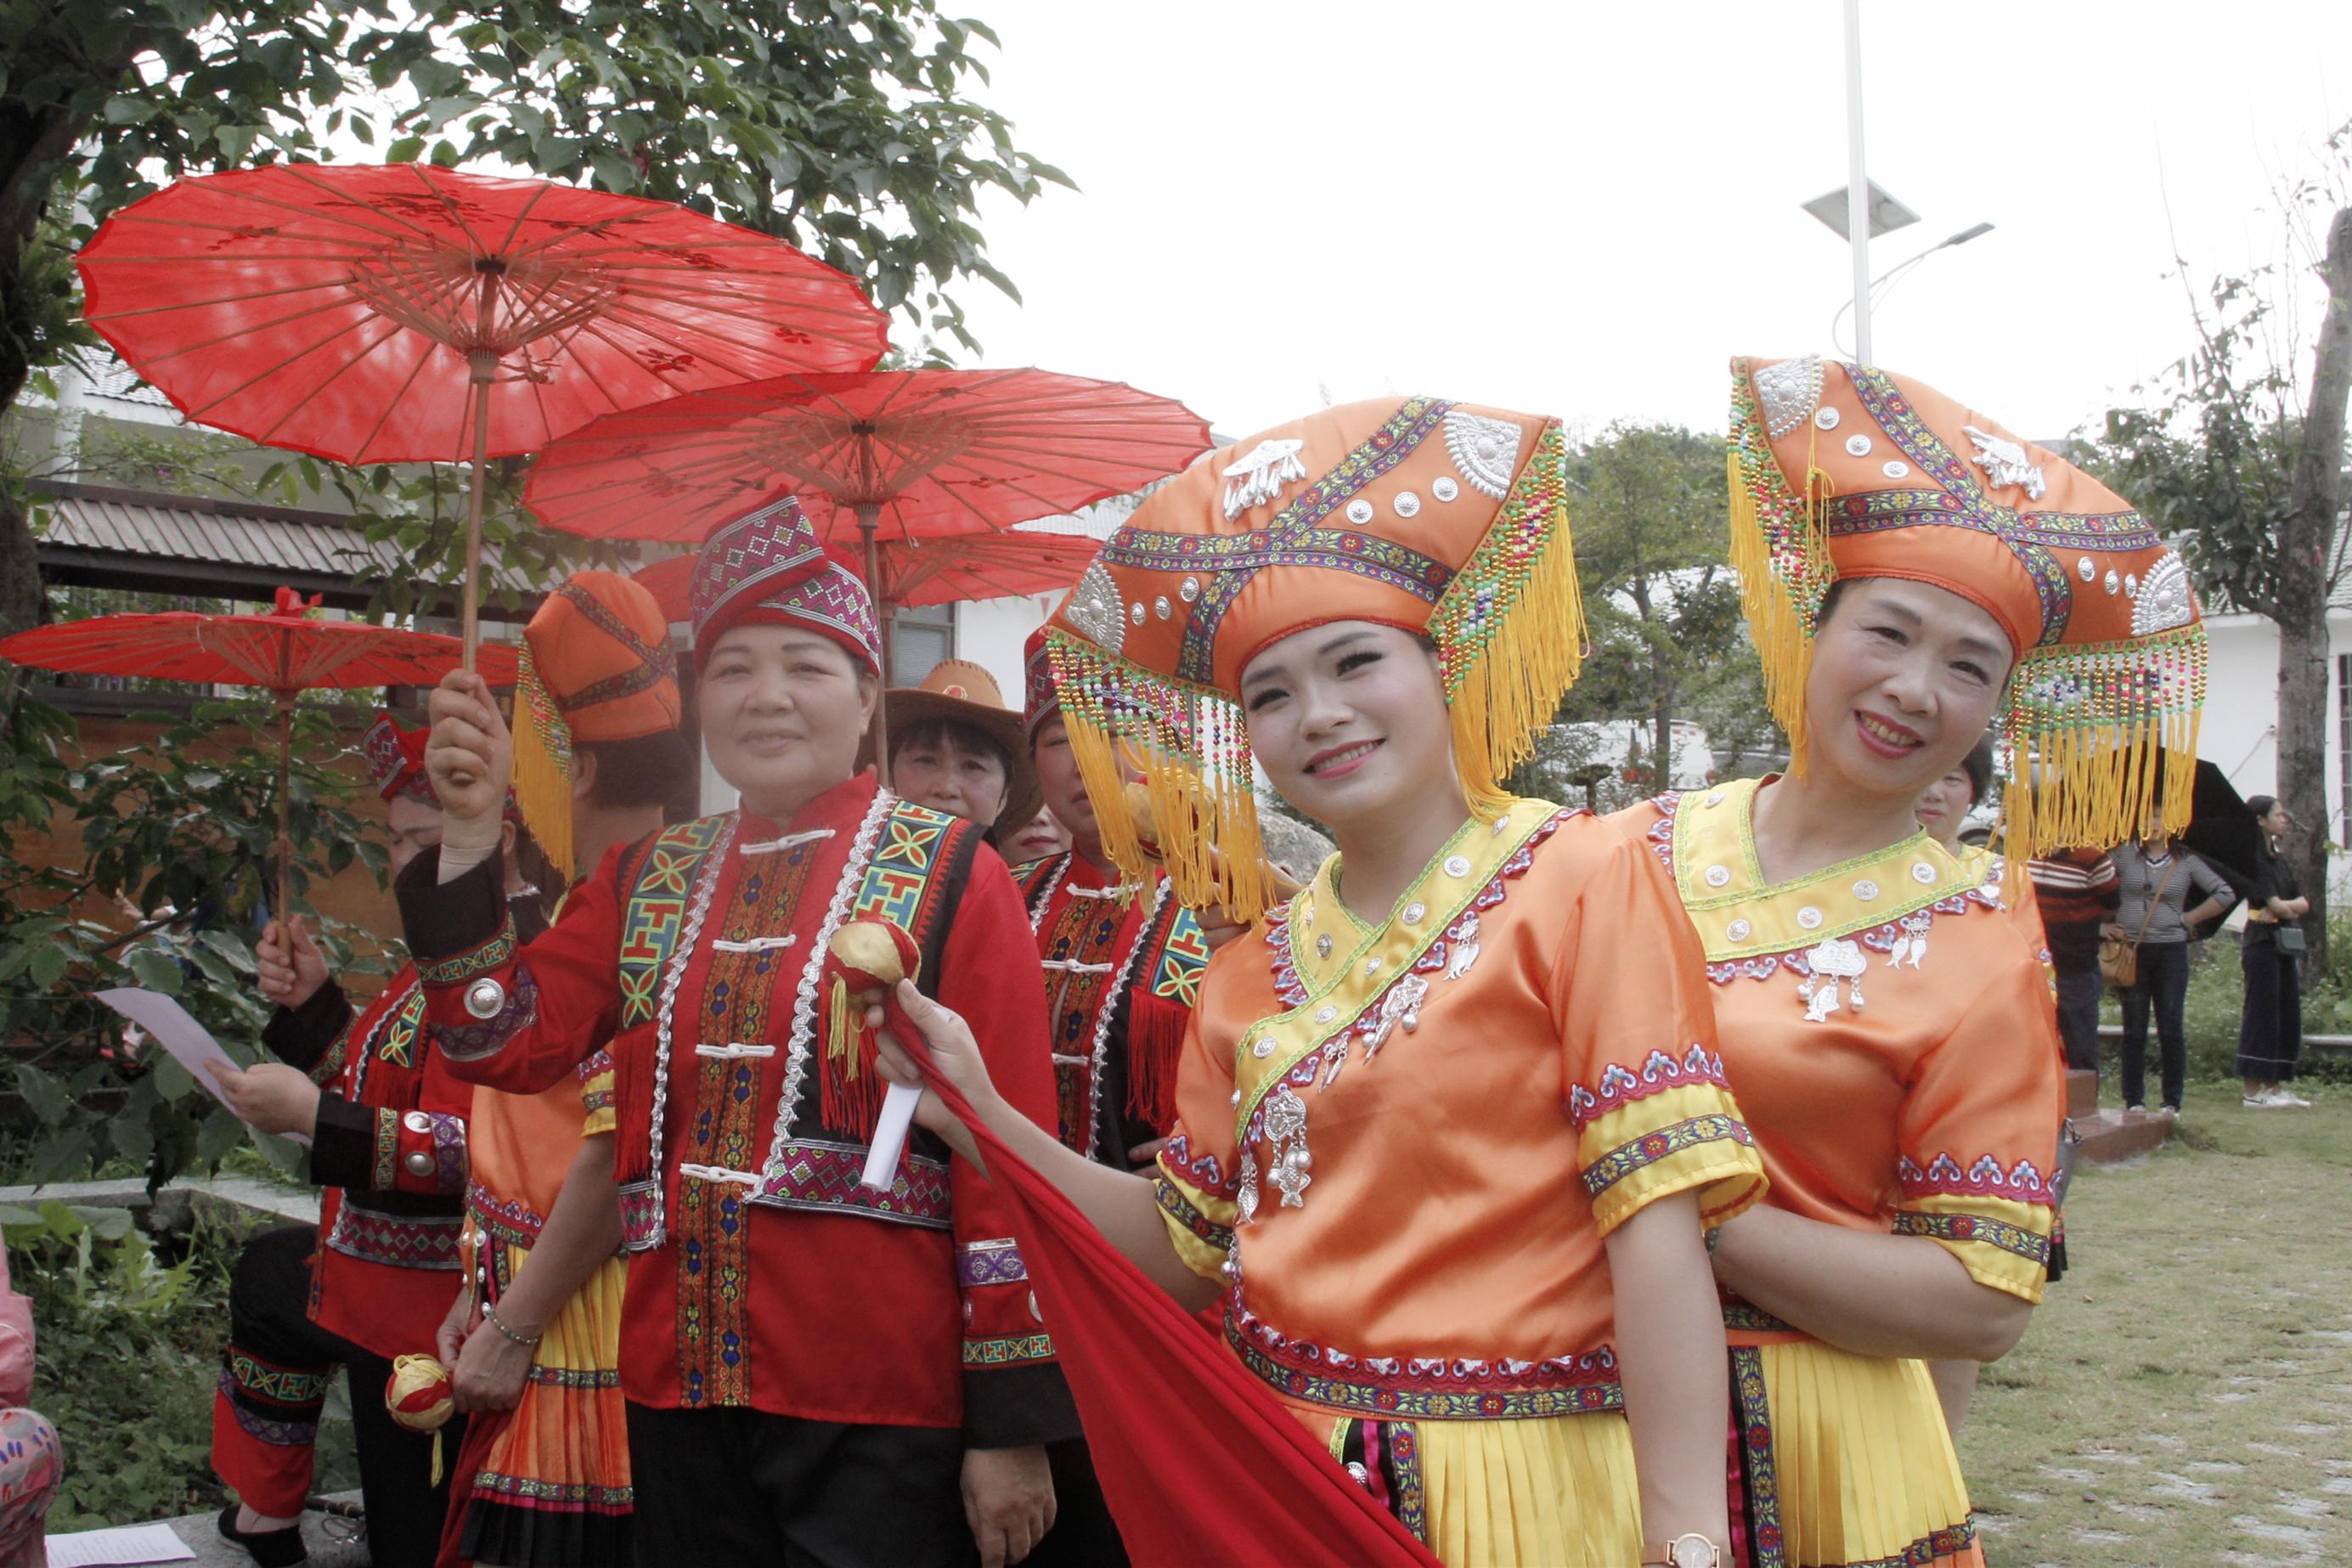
(1884, 284)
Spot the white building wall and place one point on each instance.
(990, 632)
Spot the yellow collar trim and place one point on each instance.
(1738, 914)
(1341, 988)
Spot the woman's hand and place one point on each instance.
(489, 1372)
(469, 757)
(2112, 929)
(289, 964)
(459, 1320)
(954, 1054)
(271, 1098)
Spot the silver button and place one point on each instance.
(417, 1122)
(1865, 889)
(1458, 865)
(2113, 584)
(1717, 876)
(485, 997)
(1443, 488)
(1716, 798)
(2087, 569)
(1324, 1014)
(1857, 446)
(1413, 912)
(1360, 511)
(2131, 585)
(1264, 1046)
(1371, 966)
(1897, 470)
(1825, 419)
(1323, 946)
(1188, 590)
(419, 1163)
(1237, 1105)
(1922, 872)
(1407, 504)
(1135, 612)
(1737, 930)
(1162, 607)
(1809, 917)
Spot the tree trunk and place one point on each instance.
(2316, 498)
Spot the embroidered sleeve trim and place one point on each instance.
(993, 1262)
(1200, 1172)
(1014, 1351)
(1180, 1208)
(470, 1041)
(1982, 1230)
(2021, 1184)
(459, 968)
(1693, 1132)
(329, 1067)
(1620, 1086)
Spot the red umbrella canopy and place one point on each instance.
(936, 452)
(343, 310)
(928, 571)
(282, 650)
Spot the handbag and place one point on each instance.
(2290, 938)
(2118, 959)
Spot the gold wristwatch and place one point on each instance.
(1692, 1551)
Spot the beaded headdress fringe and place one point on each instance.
(542, 766)
(2101, 739)
(1510, 634)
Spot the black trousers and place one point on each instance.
(2163, 985)
(269, 1292)
(2080, 986)
(734, 1486)
(2270, 1029)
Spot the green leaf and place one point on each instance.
(106, 1223)
(49, 966)
(219, 1134)
(129, 109)
(235, 141)
(231, 946)
(407, 150)
(156, 970)
(46, 1094)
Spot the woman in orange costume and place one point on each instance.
(543, 1476)
(1885, 1007)
(1450, 1120)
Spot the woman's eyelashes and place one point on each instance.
(1264, 697)
(1353, 662)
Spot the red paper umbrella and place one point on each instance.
(929, 571)
(905, 455)
(408, 313)
(284, 651)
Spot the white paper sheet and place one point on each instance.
(890, 1137)
(133, 1543)
(183, 1038)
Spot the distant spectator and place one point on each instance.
(2077, 891)
(31, 1466)
(2270, 1030)
(1943, 806)
(2156, 880)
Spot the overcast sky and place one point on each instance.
(1583, 209)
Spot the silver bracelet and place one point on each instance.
(490, 1316)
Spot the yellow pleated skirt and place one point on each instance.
(1848, 1461)
(1503, 1494)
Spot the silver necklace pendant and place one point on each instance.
(1285, 1136)
(1913, 944)
(1400, 1006)
(1830, 963)
(1463, 936)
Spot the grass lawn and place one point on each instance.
(2184, 1396)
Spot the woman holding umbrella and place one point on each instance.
(2270, 1030)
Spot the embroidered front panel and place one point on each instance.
(641, 1206)
(1425, 1388)
(1751, 1416)
(656, 915)
(1183, 957)
(709, 1230)
(386, 1032)
(397, 1241)
(1077, 949)
(822, 1174)
(1982, 1228)
(1647, 1150)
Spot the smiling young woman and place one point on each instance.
(1449, 1120)
(1910, 570)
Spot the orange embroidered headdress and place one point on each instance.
(596, 665)
(1842, 470)
(1445, 518)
